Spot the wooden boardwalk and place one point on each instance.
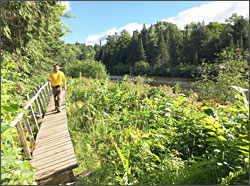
(53, 155)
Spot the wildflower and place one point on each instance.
(189, 101)
(165, 90)
(20, 87)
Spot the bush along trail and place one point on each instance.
(131, 133)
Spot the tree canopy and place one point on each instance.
(166, 47)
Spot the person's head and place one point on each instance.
(56, 67)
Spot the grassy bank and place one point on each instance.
(130, 133)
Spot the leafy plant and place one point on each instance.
(230, 69)
(137, 134)
(88, 68)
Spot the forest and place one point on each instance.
(129, 132)
(164, 49)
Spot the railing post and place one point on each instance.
(28, 128)
(39, 101)
(43, 100)
(37, 106)
(23, 140)
(32, 113)
(47, 91)
(50, 93)
(45, 96)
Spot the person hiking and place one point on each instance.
(58, 79)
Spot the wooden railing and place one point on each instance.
(41, 100)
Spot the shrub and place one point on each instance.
(135, 134)
(141, 68)
(183, 70)
(120, 69)
(88, 68)
(231, 69)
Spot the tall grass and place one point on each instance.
(131, 133)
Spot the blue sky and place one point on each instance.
(97, 19)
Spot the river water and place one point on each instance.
(185, 83)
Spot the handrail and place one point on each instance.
(38, 94)
(20, 115)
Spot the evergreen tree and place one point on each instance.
(140, 50)
(144, 35)
(133, 46)
(151, 47)
(241, 42)
(187, 59)
(123, 42)
(196, 59)
(163, 54)
(231, 43)
(164, 45)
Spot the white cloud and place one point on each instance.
(211, 12)
(67, 4)
(95, 39)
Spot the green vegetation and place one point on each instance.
(230, 68)
(171, 51)
(141, 68)
(165, 49)
(30, 44)
(88, 68)
(136, 134)
(129, 132)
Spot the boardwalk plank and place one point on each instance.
(45, 173)
(51, 148)
(49, 138)
(53, 151)
(51, 145)
(53, 129)
(52, 161)
(48, 154)
(62, 160)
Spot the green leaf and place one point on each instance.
(217, 124)
(244, 147)
(157, 157)
(210, 120)
(212, 133)
(208, 110)
(212, 140)
(210, 127)
(246, 141)
(243, 136)
(220, 131)
(244, 152)
(222, 138)
(10, 108)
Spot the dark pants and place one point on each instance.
(57, 93)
